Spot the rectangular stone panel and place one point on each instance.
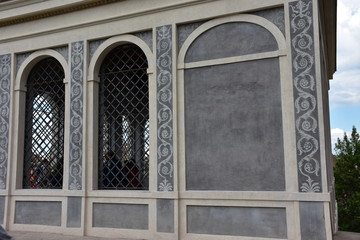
(74, 212)
(165, 215)
(40, 213)
(233, 127)
(115, 215)
(2, 209)
(312, 221)
(237, 221)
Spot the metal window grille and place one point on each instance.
(124, 120)
(44, 126)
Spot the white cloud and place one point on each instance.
(348, 35)
(345, 87)
(337, 133)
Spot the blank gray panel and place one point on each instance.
(2, 209)
(74, 212)
(312, 221)
(233, 127)
(237, 221)
(41, 213)
(231, 39)
(165, 215)
(113, 215)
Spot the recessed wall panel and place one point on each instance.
(165, 215)
(40, 213)
(233, 127)
(312, 221)
(237, 221)
(114, 215)
(2, 209)
(74, 212)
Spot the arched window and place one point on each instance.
(124, 120)
(44, 126)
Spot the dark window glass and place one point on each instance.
(44, 126)
(124, 120)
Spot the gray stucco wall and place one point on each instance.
(165, 215)
(312, 221)
(231, 39)
(74, 212)
(113, 215)
(2, 209)
(233, 122)
(40, 213)
(237, 221)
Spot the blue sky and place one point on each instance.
(345, 87)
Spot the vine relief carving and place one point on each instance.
(5, 69)
(306, 113)
(164, 108)
(76, 115)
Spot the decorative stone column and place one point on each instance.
(5, 69)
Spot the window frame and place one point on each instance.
(92, 89)
(39, 157)
(18, 122)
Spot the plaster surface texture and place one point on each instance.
(237, 221)
(312, 221)
(128, 216)
(234, 127)
(41, 213)
(74, 212)
(165, 213)
(231, 39)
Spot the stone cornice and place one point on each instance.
(66, 8)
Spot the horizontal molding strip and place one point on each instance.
(255, 196)
(228, 60)
(269, 196)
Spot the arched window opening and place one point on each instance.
(124, 120)
(44, 126)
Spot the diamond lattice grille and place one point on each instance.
(44, 126)
(124, 120)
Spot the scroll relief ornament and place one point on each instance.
(165, 113)
(305, 97)
(76, 115)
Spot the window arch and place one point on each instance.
(44, 126)
(124, 120)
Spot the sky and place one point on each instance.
(344, 91)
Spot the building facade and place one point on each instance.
(181, 119)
